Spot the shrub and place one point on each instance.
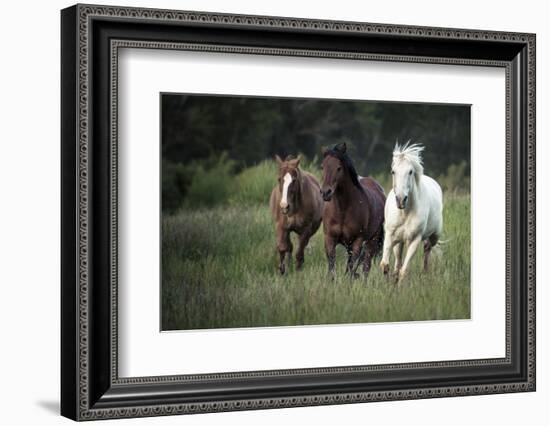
(176, 178)
(254, 184)
(212, 183)
(455, 180)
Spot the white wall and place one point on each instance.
(29, 211)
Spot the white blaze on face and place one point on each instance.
(287, 179)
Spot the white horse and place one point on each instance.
(413, 211)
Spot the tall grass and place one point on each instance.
(254, 184)
(219, 269)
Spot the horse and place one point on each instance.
(413, 212)
(353, 214)
(296, 206)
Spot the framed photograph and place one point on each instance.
(263, 212)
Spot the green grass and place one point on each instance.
(219, 269)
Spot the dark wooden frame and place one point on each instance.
(90, 386)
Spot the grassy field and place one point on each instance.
(219, 269)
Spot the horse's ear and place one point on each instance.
(278, 159)
(341, 147)
(296, 161)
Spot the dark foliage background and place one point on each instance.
(233, 133)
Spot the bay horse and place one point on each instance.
(354, 212)
(413, 212)
(296, 206)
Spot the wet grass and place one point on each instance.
(219, 269)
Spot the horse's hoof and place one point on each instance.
(399, 278)
(282, 269)
(385, 268)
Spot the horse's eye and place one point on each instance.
(339, 168)
(411, 172)
(392, 172)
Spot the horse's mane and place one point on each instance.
(411, 153)
(346, 161)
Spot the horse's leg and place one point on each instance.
(303, 240)
(388, 245)
(330, 249)
(411, 249)
(372, 247)
(360, 259)
(357, 254)
(397, 253)
(349, 264)
(284, 246)
(289, 252)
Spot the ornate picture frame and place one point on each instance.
(91, 37)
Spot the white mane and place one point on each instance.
(410, 153)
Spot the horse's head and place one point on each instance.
(333, 170)
(288, 177)
(406, 170)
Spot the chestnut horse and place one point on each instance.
(354, 212)
(296, 206)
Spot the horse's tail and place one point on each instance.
(380, 245)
